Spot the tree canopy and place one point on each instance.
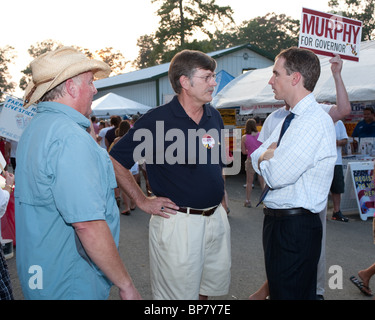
(181, 21)
(363, 10)
(205, 26)
(7, 55)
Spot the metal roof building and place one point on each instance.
(151, 87)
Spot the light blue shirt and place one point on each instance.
(301, 170)
(63, 176)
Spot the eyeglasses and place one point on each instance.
(207, 78)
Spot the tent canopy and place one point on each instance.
(252, 88)
(113, 104)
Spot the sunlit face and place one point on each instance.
(86, 92)
(202, 85)
(280, 80)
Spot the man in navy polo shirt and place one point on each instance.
(181, 141)
(366, 127)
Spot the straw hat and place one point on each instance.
(54, 67)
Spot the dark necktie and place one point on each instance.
(285, 126)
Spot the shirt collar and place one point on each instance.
(303, 104)
(55, 107)
(179, 111)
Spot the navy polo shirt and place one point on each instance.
(364, 129)
(183, 159)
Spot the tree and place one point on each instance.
(6, 57)
(114, 59)
(180, 19)
(147, 55)
(272, 33)
(363, 10)
(181, 23)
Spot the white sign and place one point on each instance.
(329, 34)
(14, 118)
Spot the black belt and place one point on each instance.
(205, 213)
(285, 212)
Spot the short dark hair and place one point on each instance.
(303, 61)
(369, 108)
(115, 120)
(185, 63)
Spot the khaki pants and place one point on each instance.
(190, 255)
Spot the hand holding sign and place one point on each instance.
(336, 64)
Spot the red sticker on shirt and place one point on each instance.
(208, 141)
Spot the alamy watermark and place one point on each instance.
(36, 280)
(335, 280)
(196, 147)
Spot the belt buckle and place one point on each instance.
(204, 213)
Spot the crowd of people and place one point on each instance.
(69, 185)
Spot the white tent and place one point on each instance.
(113, 104)
(252, 88)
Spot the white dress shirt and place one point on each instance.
(301, 170)
(278, 116)
(271, 123)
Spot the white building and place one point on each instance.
(151, 87)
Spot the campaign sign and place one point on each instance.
(14, 118)
(359, 188)
(330, 34)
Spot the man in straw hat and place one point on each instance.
(67, 218)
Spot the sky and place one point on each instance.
(118, 24)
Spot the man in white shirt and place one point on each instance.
(337, 112)
(299, 172)
(338, 184)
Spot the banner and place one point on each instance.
(329, 34)
(14, 118)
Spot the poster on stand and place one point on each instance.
(359, 189)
